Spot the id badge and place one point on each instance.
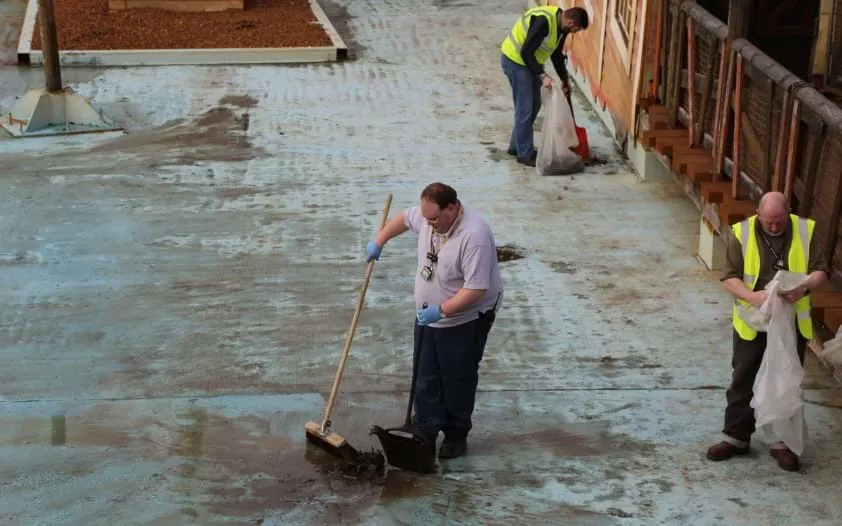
(426, 273)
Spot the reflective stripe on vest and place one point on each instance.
(513, 42)
(798, 260)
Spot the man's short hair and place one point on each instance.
(440, 194)
(578, 15)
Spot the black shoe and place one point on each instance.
(453, 447)
(513, 153)
(526, 161)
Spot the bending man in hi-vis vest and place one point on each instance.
(759, 246)
(538, 35)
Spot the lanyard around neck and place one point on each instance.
(446, 236)
(769, 244)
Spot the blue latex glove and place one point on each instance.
(429, 315)
(372, 251)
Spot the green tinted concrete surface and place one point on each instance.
(173, 303)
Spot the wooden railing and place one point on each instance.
(751, 117)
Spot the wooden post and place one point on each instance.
(720, 91)
(794, 128)
(780, 156)
(679, 49)
(659, 31)
(691, 81)
(49, 45)
(674, 66)
(738, 133)
(740, 14)
(723, 118)
(739, 20)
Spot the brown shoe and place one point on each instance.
(787, 460)
(725, 450)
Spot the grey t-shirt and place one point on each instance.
(468, 259)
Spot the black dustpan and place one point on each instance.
(404, 447)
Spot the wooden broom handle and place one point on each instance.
(350, 335)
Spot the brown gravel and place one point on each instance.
(88, 24)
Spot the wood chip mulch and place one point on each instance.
(89, 25)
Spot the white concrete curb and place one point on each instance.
(184, 57)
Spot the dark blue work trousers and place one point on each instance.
(448, 373)
(526, 95)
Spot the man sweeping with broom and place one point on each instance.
(457, 292)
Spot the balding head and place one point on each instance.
(773, 213)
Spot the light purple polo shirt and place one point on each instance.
(467, 259)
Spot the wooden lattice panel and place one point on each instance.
(754, 129)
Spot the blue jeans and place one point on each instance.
(526, 93)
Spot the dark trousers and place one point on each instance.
(748, 354)
(526, 95)
(448, 373)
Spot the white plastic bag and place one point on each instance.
(558, 135)
(777, 402)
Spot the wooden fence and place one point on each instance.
(740, 112)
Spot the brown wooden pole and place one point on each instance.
(679, 55)
(791, 154)
(738, 132)
(720, 90)
(659, 30)
(49, 45)
(723, 118)
(691, 81)
(780, 155)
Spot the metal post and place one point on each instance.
(49, 45)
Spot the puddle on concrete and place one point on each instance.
(568, 440)
(563, 267)
(219, 134)
(509, 253)
(496, 154)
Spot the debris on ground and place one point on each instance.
(509, 253)
(594, 160)
(364, 467)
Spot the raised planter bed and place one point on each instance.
(265, 32)
(178, 5)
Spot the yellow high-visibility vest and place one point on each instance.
(798, 260)
(514, 40)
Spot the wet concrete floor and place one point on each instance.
(173, 303)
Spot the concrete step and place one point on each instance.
(681, 157)
(715, 192)
(733, 211)
(701, 172)
(831, 318)
(659, 117)
(650, 138)
(665, 145)
(827, 306)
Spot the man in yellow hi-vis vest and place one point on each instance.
(538, 35)
(758, 247)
